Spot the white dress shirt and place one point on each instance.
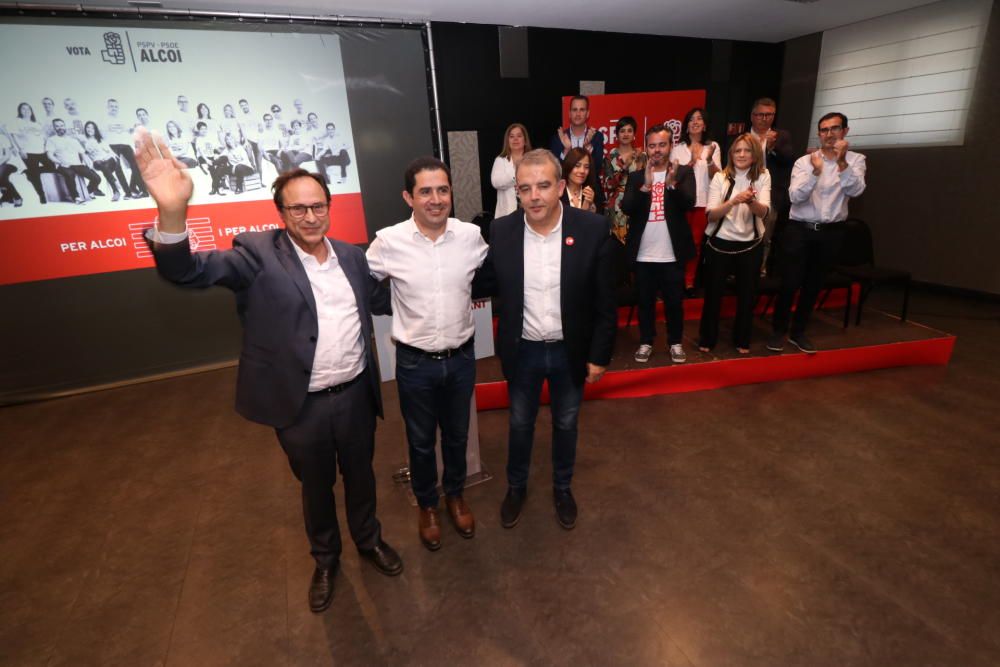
(431, 281)
(503, 180)
(824, 198)
(739, 221)
(542, 284)
(340, 350)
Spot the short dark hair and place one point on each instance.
(580, 97)
(686, 136)
(832, 114)
(659, 127)
(626, 120)
(764, 102)
(283, 179)
(242, 100)
(425, 163)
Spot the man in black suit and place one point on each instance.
(307, 367)
(659, 241)
(779, 156)
(551, 267)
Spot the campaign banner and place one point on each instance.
(236, 108)
(648, 109)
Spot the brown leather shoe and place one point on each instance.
(429, 528)
(461, 516)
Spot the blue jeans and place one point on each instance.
(537, 362)
(436, 393)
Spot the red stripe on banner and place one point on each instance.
(734, 372)
(87, 243)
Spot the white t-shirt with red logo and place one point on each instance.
(655, 245)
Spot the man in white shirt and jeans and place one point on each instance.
(430, 261)
(822, 183)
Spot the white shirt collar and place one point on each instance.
(331, 257)
(557, 228)
(415, 232)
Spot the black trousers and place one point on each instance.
(745, 267)
(667, 278)
(341, 159)
(335, 430)
(70, 173)
(136, 184)
(807, 256)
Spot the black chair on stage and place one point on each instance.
(857, 262)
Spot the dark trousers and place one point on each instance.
(218, 169)
(111, 169)
(342, 159)
(70, 173)
(436, 393)
(666, 278)
(806, 257)
(335, 430)
(34, 165)
(745, 267)
(292, 159)
(537, 362)
(136, 184)
(240, 172)
(8, 193)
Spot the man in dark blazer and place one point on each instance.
(659, 242)
(307, 367)
(551, 267)
(580, 135)
(779, 156)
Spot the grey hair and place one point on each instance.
(541, 156)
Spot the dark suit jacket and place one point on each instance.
(587, 298)
(596, 152)
(636, 203)
(780, 160)
(276, 306)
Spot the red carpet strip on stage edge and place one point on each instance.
(733, 372)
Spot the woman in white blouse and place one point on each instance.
(515, 145)
(739, 198)
(697, 150)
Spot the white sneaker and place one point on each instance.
(643, 354)
(676, 354)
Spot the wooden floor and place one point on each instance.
(843, 521)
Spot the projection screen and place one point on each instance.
(237, 102)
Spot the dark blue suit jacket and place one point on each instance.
(276, 306)
(587, 297)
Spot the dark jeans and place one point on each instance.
(537, 362)
(34, 165)
(335, 430)
(240, 172)
(806, 257)
(111, 168)
(70, 173)
(218, 169)
(342, 159)
(8, 193)
(436, 393)
(292, 159)
(667, 278)
(745, 267)
(136, 184)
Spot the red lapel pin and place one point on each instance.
(569, 240)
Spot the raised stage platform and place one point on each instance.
(881, 341)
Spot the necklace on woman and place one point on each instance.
(575, 200)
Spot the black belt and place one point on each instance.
(337, 388)
(437, 355)
(818, 226)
